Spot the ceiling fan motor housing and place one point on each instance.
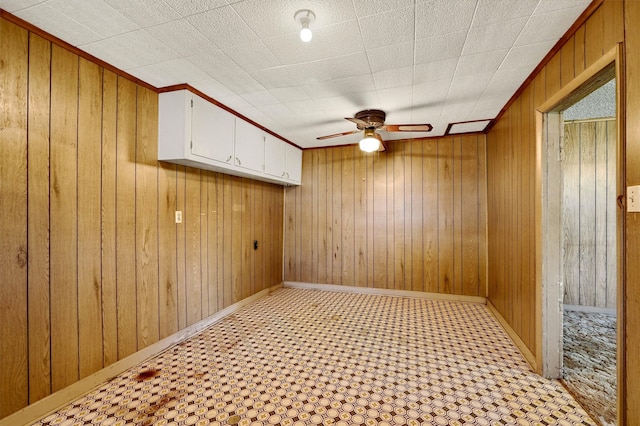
(373, 117)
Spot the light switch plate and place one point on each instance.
(633, 199)
(178, 216)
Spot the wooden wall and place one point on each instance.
(92, 264)
(589, 213)
(632, 232)
(410, 218)
(511, 167)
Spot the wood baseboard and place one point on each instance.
(64, 396)
(524, 350)
(386, 292)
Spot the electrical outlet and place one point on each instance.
(633, 199)
(178, 217)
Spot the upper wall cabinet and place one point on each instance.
(194, 132)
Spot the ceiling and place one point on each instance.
(437, 61)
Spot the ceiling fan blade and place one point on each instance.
(321, 138)
(407, 128)
(359, 122)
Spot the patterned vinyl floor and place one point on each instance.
(305, 357)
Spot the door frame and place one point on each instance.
(549, 275)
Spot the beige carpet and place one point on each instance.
(589, 369)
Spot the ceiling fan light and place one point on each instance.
(369, 144)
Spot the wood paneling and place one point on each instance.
(64, 216)
(14, 373)
(38, 220)
(396, 219)
(589, 213)
(89, 208)
(104, 270)
(511, 167)
(632, 220)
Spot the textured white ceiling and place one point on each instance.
(421, 61)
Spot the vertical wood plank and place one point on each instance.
(306, 219)
(260, 213)
(220, 242)
(192, 226)
(89, 208)
(64, 216)
(236, 239)
(147, 217)
(370, 186)
(380, 258)
(336, 228)
(38, 220)
(430, 215)
(125, 218)
(14, 391)
(291, 249)
(600, 214)
(315, 237)
(483, 203)
(360, 218)
(458, 236)
(612, 173)
(571, 213)
(408, 215)
(397, 223)
(323, 224)
(417, 229)
(347, 208)
(212, 282)
(181, 239)
(587, 217)
(108, 217)
(553, 76)
(329, 227)
(579, 50)
(469, 208)
(167, 249)
(594, 37)
(228, 239)
(567, 65)
(445, 216)
(246, 285)
(391, 209)
(204, 245)
(527, 220)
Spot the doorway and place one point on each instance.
(564, 266)
(588, 214)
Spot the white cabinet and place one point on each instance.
(274, 157)
(282, 160)
(249, 145)
(212, 131)
(197, 133)
(294, 164)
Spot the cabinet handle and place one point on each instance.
(287, 174)
(238, 161)
(284, 173)
(229, 159)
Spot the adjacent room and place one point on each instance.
(319, 212)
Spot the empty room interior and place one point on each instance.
(319, 212)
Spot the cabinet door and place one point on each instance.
(212, 131)
(294, 163)
(275, 152)
(249, 147)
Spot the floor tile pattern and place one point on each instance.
(308, 357)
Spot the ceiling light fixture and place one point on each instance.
(370, 142)
(305, 17)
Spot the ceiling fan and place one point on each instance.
(370, 121)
